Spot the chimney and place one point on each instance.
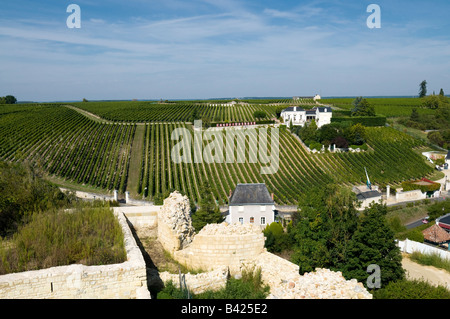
(230, 194)
(272, 196)
(295, 109)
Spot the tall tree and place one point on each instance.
(441, 92)
(373, 243)
(423, 89)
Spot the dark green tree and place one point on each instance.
(373, 243)
(9, 99)
(208, 212)
(259, 114)
(414, 115)
(326, 220)
(362, 107)
(441, 92)
(423, 88)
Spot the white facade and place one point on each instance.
(261, 215)
(299, 116)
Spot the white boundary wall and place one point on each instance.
(410, 246)
(127, 280)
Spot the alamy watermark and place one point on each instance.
(374, 280)
(74, 19)
(190, 147)
(374, 20)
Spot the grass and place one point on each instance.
(430, 260)
(84, 235)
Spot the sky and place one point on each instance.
(201, 49)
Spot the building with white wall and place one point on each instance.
(298, 116)
(251, 203)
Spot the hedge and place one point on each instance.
(410, 186)
(378, 120)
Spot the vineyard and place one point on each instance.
(389, 107)
(78, 149)
(67, 144)
(391, 160)
(137, 111)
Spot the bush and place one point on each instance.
(276, 239)
(411, 289)
(250, 286)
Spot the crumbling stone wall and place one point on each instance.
(175, 230)
(217, 245)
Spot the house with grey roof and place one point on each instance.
(251, 203)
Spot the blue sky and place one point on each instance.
(175, 49)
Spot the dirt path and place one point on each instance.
(431, 274)
(135, 161)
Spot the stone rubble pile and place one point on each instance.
(320, 284)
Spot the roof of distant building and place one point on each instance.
(436, 234)
(251, 194)
(369, 194)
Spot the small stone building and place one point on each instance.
(251, 203)
(366, 195)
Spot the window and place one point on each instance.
(252, 220)
(241, 220)
(263, 220)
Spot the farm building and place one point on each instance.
(367, 195)
(251, 203)
(299, 116)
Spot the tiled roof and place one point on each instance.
(436, 234)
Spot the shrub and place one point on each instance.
(411, 289)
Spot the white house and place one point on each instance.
(251, 203)
(298, 116)
(316, 97)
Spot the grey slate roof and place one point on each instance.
(369, 194)
(448, 155)
(322, 109)
(251, 194)
(291, 109)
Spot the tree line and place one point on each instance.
(9, 99)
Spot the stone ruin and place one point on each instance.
(221, 250)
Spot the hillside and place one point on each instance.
(84, 151)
